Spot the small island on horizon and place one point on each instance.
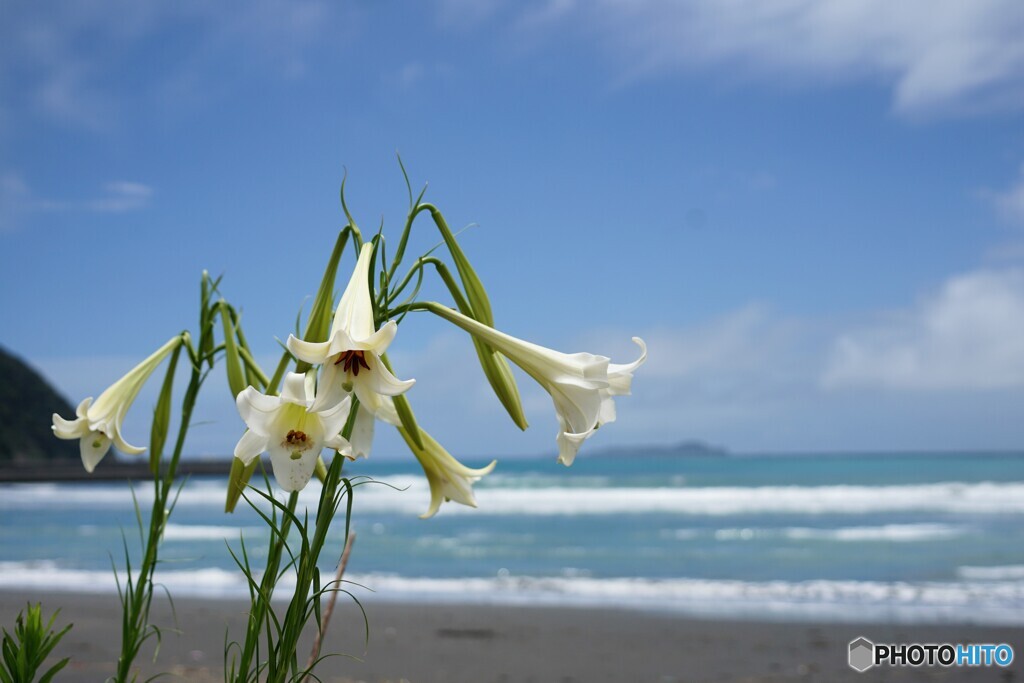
(690, 448)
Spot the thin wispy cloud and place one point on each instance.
(121, 196)
(937, 58)
(18, 201)
(1009, 202)
(67, 58)
(414, 74)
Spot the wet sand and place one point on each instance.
(432, 643)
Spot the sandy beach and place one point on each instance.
(427, 643)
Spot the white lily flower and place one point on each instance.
(350, 358)
(289, 429)
(98, 425)
(449, 479)
(580, 384)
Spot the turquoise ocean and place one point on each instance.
(883, 537)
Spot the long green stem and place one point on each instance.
(282, 635)
(261, 602)
(138, 594)
(286, 662)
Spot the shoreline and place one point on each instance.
(60, 471)
(477, 643)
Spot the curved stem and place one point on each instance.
(404, 240)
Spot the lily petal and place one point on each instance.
(340, 444)
(379, 341)
(294, 388)
(607, 413)
(72, 429)
(83, 407)
(577, 402)
(125, 447)
(355, 310)
(331, 389)
(310, 352)
(620, 377)
(449, 479)
(293, 473)
(380, 380)
(381, 407)
(334, 419)
(93, 447)
(250, 446)
(362, 433)
(569, 444)
(257, 410)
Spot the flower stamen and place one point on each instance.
(297, 440)
(352, 360)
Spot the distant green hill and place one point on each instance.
(27, 402)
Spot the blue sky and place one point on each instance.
(813, 212)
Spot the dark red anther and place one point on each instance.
(352, 361)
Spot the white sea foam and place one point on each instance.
(50, 576)
(202, 532)
(997, 573)
(890, 533)
(955, 497)
(893, 533)
(989, 602)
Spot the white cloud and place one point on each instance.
(733, 344)
(957, 57)
(970, 335)
(18, 201)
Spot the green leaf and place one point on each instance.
(162, 416)
(495, 366)
(475, 291)
(54, 670)
(237, 481)
(321, 469)
(207, 287)
(499, 375)
(232, 359)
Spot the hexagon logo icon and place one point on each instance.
(862, 654)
